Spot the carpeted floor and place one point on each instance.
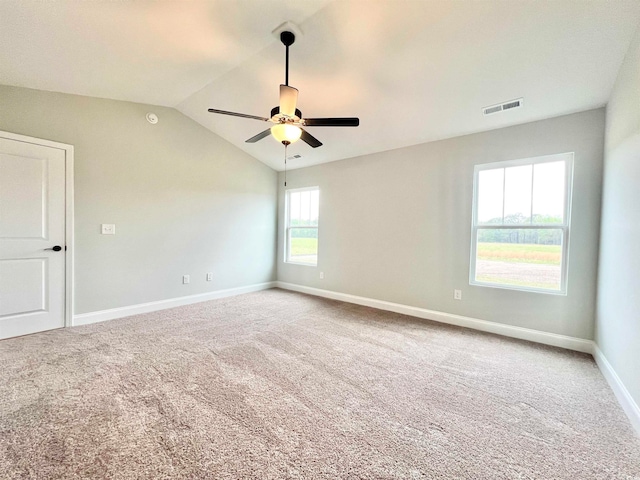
(282, 385)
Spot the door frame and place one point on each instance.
(68, 214)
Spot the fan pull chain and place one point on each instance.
(285, 165)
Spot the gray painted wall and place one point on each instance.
(618, 313)
(184, 200)
(396, 225)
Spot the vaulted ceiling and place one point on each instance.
(413, 71)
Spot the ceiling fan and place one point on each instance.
(287, 118)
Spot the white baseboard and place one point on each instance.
(625, 399)
(570, 343)
(113, 313)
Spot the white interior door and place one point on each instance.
(32, 223)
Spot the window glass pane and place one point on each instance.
(517, 194)
(303, 208)
(548, 192)
(520, 257)
(303, 245)
(315, 206)
(302, 231)
(490, 190)
(294, 207)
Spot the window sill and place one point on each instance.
(519, 289)
(302, 264)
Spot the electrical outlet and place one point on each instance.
(457, 294)
(321, 275)
(186, 279)
(108, 229)
(209, 277)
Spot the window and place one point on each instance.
(520, 230)
(302, 206)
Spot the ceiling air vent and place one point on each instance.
(510, 105)
(490, 110)
(293, 157)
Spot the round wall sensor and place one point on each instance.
(152, 118)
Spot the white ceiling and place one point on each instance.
(413, 71)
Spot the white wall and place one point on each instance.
(618, 312)
(184, 200)
(396, 225)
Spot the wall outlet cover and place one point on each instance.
(108, 229)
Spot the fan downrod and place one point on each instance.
(287, 38)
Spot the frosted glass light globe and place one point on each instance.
(285, 132)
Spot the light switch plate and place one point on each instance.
(108, 229)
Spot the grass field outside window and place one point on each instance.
(519, 265)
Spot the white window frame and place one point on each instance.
(568, 158)
(287, 227)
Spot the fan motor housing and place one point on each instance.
(276, 117)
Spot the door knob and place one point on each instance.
(57, 248)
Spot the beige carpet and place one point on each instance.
(282, 385)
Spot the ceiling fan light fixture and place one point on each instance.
(286, 116)
(285, 132)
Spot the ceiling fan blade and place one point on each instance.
(288, 100)
(332, 122)
(309, 139)
(259, 136)
(234, 114)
